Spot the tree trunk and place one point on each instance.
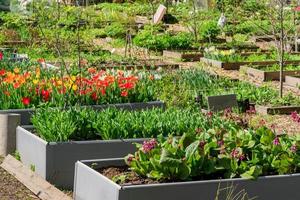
(281, 54)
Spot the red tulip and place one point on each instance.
(2, 72)
(94, 96)
(124, 93)
(26, 101)
(45, 94)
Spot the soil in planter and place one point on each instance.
(125, 177)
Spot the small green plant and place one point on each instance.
(17, 155)
(32, 167)
(209, 31)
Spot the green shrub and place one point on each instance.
(115, 30)
(151, 38)
(209, 30)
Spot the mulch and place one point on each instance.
(12, 189)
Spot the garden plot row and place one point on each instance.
(106, 175)
(193, 55)
(61, 137)
(55, 161)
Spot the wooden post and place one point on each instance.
(8, 125)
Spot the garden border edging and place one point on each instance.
(91, 185)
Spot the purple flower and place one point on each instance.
(295, 117)
(242, 157)
(276, 141)
(235, 153)
(149, 145)
(220, 143)
(293, 148)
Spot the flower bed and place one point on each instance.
(200, 161)
(60, 138)
(27, 87)
(269, 73)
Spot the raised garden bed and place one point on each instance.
(139, 64)
(27, 113)
(276, 110)
(292, 80)
(263, 74)
(90, 184)
(263, 38)
(236, 65)
(55, 161)
(188, 55)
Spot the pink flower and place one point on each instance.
(235, 153)
(1, 55)
(227, 112)
(295, 117)
(220, 143)
(149, 145)
(276, 141)
(242, 157)
(293, 148)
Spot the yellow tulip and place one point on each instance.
(35, 81)
(16, 70)
(74, 87)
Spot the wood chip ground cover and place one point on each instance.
(12, 189)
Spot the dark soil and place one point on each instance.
(130, 178)
(12, 189)
(125, 177)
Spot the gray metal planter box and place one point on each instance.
(91, 185)
(27, 113)
(55, 161)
